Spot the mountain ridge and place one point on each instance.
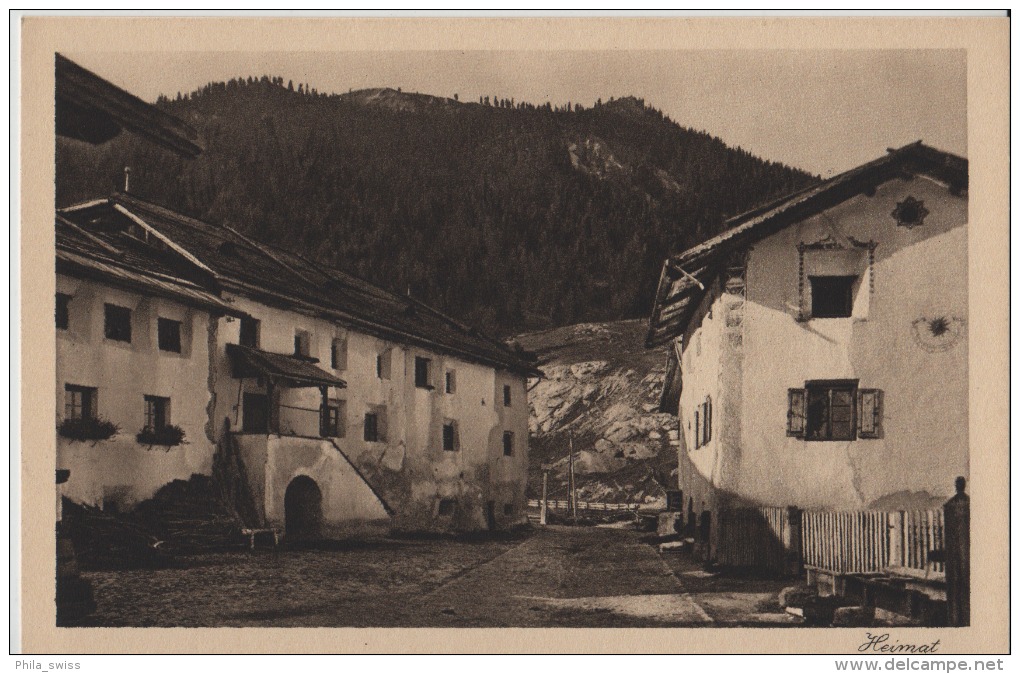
(508, 215)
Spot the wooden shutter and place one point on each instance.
(796, 413)
(869, 413)
(697, 427)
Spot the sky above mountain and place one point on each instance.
(821, 111)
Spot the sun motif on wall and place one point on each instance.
(910, 213)
(938, 333)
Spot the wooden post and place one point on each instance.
(545, 496)
(324, 412)
(573, 494)
(957, 542)
(793, 544)
(273, 394)
(897, 531)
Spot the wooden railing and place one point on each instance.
(583, 505)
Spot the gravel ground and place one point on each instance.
(556, 576)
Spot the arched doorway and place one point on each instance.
(302, 508)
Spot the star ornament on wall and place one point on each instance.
(910, 213)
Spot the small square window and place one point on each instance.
(250, 328)
(62, 311)
(451, 381)
(450, 437)
(508, 509)
(422, 372)
(79, 402)
(117, 323)
(832, 296)
(447, 507)
(508, 443)
(157, 413)
(169, 335)
(506, 395)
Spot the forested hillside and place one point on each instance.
(511, 216)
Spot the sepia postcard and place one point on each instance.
(514, 335)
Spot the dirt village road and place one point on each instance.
(552, 577)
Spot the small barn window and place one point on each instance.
(250, 328)
(423, 372)
(450, 443)
(62, 311)
(832, 296)
(371, 427)
(508, 509)
(169, 332)
(117, 323)
(447, 507)
(508, 443)
(375, 424)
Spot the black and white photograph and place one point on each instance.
(515, 338)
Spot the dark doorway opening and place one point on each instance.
(302, 507)
(256, 413)
(490, 515)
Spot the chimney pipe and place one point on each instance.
(127, 178)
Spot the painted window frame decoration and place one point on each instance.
(831, 243)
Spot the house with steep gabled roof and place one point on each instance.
(819, 344)
(344, 407)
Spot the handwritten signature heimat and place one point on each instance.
(876, 643)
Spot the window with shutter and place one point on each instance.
(796, 414)
(831, 410)
(706, 423)
(869, 413)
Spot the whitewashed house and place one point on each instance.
(340, 407)
(820, 344)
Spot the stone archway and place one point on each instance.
(302, 508)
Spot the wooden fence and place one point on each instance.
(757, 537)
(846, 542)
(781, 539)
(915, 535)
(583, 505)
